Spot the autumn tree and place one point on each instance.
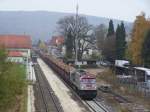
(146, 50)
(135, 48)
(42, 45)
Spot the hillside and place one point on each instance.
(41, 24)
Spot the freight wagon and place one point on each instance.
(81, 81)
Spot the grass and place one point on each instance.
(23, 107)
(108, 76)
(117, 106)
(13, 88)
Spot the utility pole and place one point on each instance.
(76, 38)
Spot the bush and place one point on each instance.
(12, 85)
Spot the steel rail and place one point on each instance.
(41, 91)
(40, 75)
(95, 106)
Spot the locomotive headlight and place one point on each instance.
(82, 87)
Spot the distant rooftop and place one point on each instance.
(56, 40)
(147, 70)
(16, 41)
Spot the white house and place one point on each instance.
(18, 47)
(15, 56)
(143, 75)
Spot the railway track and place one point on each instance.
(96, 106)
(48, 101)
(92, 106)
(119, 98)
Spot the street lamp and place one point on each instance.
(76, 38)
(76, 34)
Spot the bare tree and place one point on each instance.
(100, 34)
(82, 29)
(109, 50)
(106, 45)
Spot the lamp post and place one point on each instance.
(75, 28)
(76, 38)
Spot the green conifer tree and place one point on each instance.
(120, 41)
(110, 29)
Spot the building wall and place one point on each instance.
(25, 59)
(26, 52)
(16, 59)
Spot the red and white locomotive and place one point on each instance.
(84, 83)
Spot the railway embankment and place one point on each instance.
(13, 88)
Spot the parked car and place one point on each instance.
(105, 63)
(105, 88)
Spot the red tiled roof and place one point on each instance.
(15, 41)
(14, 54)
(57, 40)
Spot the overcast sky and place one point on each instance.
(118, 9)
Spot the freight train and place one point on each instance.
(81, 81)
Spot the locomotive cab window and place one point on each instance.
(88, 80)
(82, 72)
